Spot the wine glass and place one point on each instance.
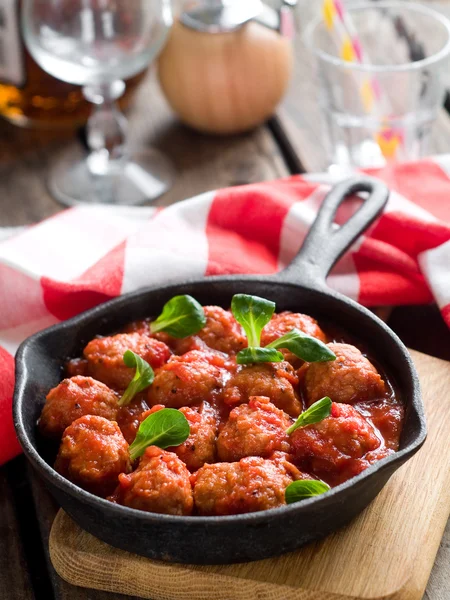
(97, 44)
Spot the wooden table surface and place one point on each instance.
(289, 143)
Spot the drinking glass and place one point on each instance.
(382, 109)
(97, 44)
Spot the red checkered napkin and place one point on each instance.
(86, 255)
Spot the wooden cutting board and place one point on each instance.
(385, 553)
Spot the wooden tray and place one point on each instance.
(385, 553)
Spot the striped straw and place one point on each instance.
(340, 25)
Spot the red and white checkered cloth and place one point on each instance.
(86, 255)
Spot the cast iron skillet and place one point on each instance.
(301, 287)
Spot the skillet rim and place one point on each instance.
(101, 310)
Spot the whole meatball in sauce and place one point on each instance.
(284, 322)
(334, 449)
(254, 429)
(92, 454)
(200, 447)
(105, 357)
(221, 332)
(348, 379)
(188, 379)
(160, 484)
(250, 485)
(277, 381)
(74, 398)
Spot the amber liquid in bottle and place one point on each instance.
(28, 95)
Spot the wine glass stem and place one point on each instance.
(106, 128)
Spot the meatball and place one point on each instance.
(348, 379)
(200, 447)
(254, 429)
(333, 448)
(160, 484)
(282, 323)
(129, 417)
(92, 454)
(274, 380)
(187, 379)
(72, 399)
(222, 333)
(250, 485)
(105, 357)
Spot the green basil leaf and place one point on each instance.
(143, 377)
(163, 428)
(253, 313)
(304, 346)
(303, 489)
(258, 355)
(181, 316)
(317, 412)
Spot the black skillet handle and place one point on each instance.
(325, 242)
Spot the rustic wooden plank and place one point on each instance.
(203, 163)
(15, 583)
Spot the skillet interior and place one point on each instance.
(213, 540)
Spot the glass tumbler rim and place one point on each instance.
(374, 68)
